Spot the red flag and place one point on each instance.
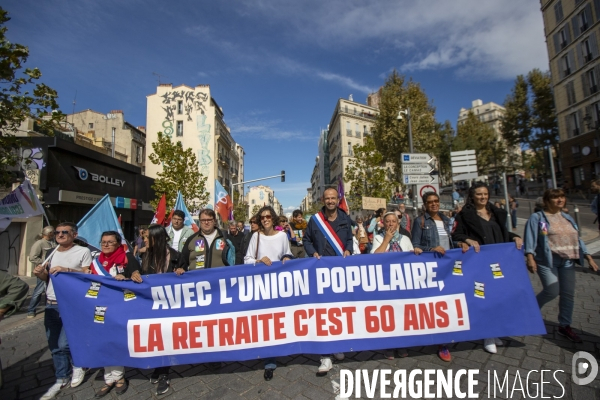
(167, 220)
(161, 210)
(343, 204)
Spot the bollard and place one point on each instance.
(576, 211)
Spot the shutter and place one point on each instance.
(579, 50)
(557, 43)
(569, 123)
(572, 83)
(586, 84)
(571, 57)
(568, 33)
(597, 9)
(575, 23)
(580, 121)
(588, 14)
(594, 44)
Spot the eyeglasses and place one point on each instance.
(105, 244)
(61, 232)
(253, 222)
(206, 221)
(433, 202)
(266, 217)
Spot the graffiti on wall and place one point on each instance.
(190, 102)
(10, 247)
(32, 162)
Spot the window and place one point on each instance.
(253, 201)
(583, 21)
(354, 110)
(565, 64)
(91, 125)
(578, 175)
(357, 130)
(180, 107)
(593, 81)
(573, 126)
(365, 129)
(345, 108)
(570, 87)
(348, 129)
(350, 153)
(576, 149)
(138, 154)
(179, 128)
(558, 12)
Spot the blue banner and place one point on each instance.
(335, 304)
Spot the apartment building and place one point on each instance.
(571, 28)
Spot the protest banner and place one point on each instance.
(373, 203)
(314, 306)
(20, 203)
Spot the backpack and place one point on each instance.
(228, 254)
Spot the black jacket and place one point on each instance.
(467, 225)
(315, 241)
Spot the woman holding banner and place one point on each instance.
(480, 223)
(432, 232)
(116, 262)
(552, 244)
(268, 245)
(159, 258)
(391, 240)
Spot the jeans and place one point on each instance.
(513, 218)
(558, 280)
(40, 288)
(57, 342)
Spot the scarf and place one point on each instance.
(302, 225)
(114, 263)
(394, 243)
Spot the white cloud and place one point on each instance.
(264, 128)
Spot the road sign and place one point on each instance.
(416, 169)
(463, 161)
(416, 158)
(422, 189)
(419, 179)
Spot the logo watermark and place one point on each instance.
(582, 364)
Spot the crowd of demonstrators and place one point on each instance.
(68, 257)
(297, 228)
(481, 223)
(40, 249)
(236, 236)
(268, 245)
(552, 244)
(179, 232)
(339, 226)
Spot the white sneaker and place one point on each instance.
(498, 342)
(339, 356)
(78, 375)
(53, 390)
(490, 345)
(326, 365)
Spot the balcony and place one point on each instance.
(224, 160)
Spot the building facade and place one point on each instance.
(571, 28)
(260, 196)
(192, 117)
(94, 130)
(491, 114)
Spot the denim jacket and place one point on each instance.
(536, 243)
(425, 234)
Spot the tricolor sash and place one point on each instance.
(329, 233)
(98, 269)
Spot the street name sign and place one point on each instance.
(420, 179)
(416, 158)
(416, 169)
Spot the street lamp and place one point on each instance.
(411, 149)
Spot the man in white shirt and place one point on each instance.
(179, 233)
(68, 257)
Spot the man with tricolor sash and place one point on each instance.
(329, 233)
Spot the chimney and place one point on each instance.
(116, 111)
(141, 128)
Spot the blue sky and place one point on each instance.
(277, 68)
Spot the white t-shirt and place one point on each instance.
(176, 237)
(443, 235)
(274, 247)
(77, 258)
(210, 237)
(405, 243)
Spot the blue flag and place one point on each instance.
(100, 218)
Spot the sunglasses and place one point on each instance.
(62, 232)
(266, 217)
(253, 222)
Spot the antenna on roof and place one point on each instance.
(74, 102)
(158, 76)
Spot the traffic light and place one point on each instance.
(282, 176)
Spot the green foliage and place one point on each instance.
(391, 134)
(240, 207)
(179, 173)
(368, 175)
(255, 209)
(17, 103)
(530, 119)
(475, 135)
(442, 151)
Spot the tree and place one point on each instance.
(179, 173)
(442, 150)
(530, 118)
(240, 207)
(368, 174)
(391, 134)
(256, 209)
(20, 97)
(473, 134)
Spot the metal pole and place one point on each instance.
(415, 199)
(113, 142)
(508, 220)
(552, 167)
(576, 210)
